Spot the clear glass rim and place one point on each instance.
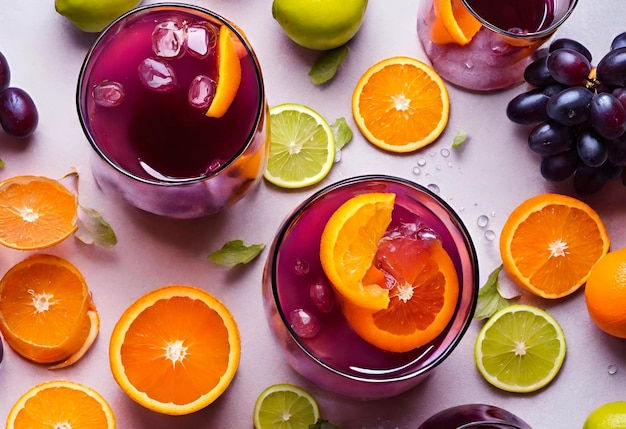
(487, 423)
(260, 110)
(454, 217)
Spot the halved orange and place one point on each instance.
(349, 243)
(400, 104)
(229, 74)
(422, 299)
(61, 404)
(175, 350)
(35, 212)
(453, 23)
(550, 243)
(46, 312)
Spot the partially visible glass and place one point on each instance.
(328, 352)
(143, 91)
(509, 34)
(479, 416)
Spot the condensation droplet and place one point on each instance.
(421, 162)
(432, 154)
(449, 164)
(301, 267)
(612, 369)
(304, 324)
(482, 221)
(492, 214)
(434, 188)
(490, 235)
(438, 167)
(417, 171)
(445, 153)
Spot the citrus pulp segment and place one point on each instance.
(453, 23)
(61, 404)
(175, 350)
(520, 349)
(422, 300)
(229, 74)
(285, 406)
(400, 104)
(35, 212)
(302, 146)
(550, 242)
(349, 243)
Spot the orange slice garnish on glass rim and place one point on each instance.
(453, 23)
(229, 74)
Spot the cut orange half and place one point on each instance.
(35, 212)
(550, 243)
(422, 300)
(348, 246)
(175, 350)
(229, 74)
(453, 23)
(400, 104)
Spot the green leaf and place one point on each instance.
(235, 252)
(2, 163)
(323, 424)
(326, 66)
(342, 133)
(459, 138)
(489, 298)
(93, 229)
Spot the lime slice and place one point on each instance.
(302, 146)
(520, 348)
(285, 406)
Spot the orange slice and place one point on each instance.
(175, 350)
(453, 23)
(422, 300)
(400, 104)
(229, 74)
(348, 246)
(550, 243)
(35, 212)
(45, 309)
(61, 404)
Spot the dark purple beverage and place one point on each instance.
(474, 416)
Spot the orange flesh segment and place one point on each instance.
(453, 23)
(229, 74)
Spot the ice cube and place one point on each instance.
(108, 93)
(201, 39)
(201, 91)
(168, 39)
(157, 75)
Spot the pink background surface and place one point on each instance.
(489, 175)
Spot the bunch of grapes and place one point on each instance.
(18, 113)
(578, 112)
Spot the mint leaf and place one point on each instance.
(489, 298)
(459, 138)
(235, 252)
(342, 133)
(323, 424)
(93, 229)
(326, 66)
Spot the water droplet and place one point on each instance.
(612, 369)
(421, 162)
(108, 93)
(449, 164)
(168, 39)
(213, 166)
(492, 214)
(445, 152)
(432, 154)
(490, 235)
(438, 167)
(482, 221)
(417, 171)
(461, 209)
(434, 188)
(322, 296)
(301, 267)
(157, 75)
(304, 324)
(469, 65)
(201, 92)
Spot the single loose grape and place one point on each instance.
(18, 113)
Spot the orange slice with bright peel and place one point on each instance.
(422, 300)
(400, 104)
(61, 404)
(175, 350)
(44, 309)
(35, 212)
(349, 243)
(229, 74)
(453, 23)
(550, 243)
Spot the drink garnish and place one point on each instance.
(235, 252)
(229, 74)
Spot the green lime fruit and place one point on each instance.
(285, 406)
(93, 16)
(319, 24)
(611, 415)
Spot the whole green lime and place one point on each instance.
(320, 24)
(611, 415)
(93, 15)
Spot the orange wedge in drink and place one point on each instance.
(453, 23)
(229, 74)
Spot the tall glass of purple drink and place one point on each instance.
(507, 35)
(143, 94)
(311, 329)
(474, 416)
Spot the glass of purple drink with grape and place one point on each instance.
(478, 416)
(151, 100)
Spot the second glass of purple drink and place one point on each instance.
(485, 45)
(145, 94)
(474, 416)
(311, 329)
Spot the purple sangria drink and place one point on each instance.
(474, 416)
(168, 134)
(305, 314)
(485, 45)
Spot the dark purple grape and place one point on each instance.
(565, 43)
(537, 74)
(550, 138)
(608, 116)
(18, 113)
(559, 167)
(620, 94)
(592, 150)
(571, 106)
(611, 69)
(619, 41)
(528, 107)
(617, 150)
(589, 180)
(611, 171)
(5, 73)
(553, 89)
(569, 67)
